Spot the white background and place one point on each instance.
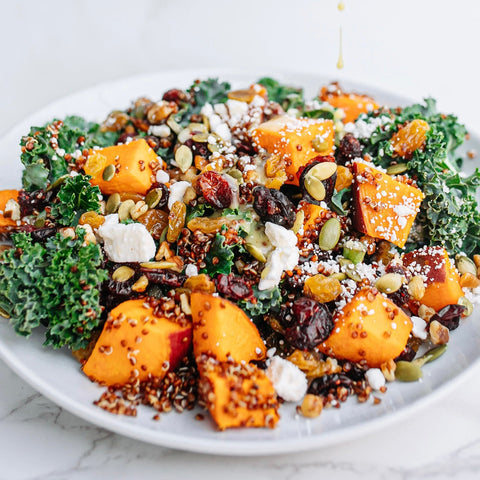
(415, 48)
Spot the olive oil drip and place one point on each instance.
(341, 8)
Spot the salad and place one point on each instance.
(237, 249)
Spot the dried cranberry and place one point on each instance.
(119, 289)
(317, 179)
(329, 383)
(125, 137)
(175, 95)
(41, 234)
(215, 189)
(348, 149)
(408, 354)
(401, 297)
(449, 316)
(164, 277)
(311, 324)
(354, 371)
(33, 201)
(234, 287)
(273, 206)
(198, 148)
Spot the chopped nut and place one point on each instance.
(416, 287)
(185, 304)
(426, 313)
(190, 194)
(164, 252)
(312, 406)
(67, 232)
(12, 210)
(138, 209)
(439, 334)
(388, 370)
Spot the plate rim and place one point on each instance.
(217, 445)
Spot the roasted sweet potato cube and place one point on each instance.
(237, 394)
(442, 281)
(370, 328)
(132, 172)
(222, 329)
(292, 138)
(314, 216)
(383, 207)
(135, 343)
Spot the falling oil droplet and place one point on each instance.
(341, 6)
(340, 53)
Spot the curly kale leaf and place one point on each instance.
(267, 300)
(55, 285)
(288, 97)
(76, 196)
(43, 157)
(220, 257)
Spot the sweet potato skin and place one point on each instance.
(132, 161)
(368, 328)
(442, 282)
(135, 343)
(223, 330)
(292, 139)
(383, 207)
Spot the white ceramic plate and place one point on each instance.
(57, 375)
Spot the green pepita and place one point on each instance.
(153, 197)
(124, 210)
(184, 158)
(113, 203)
(299, 219)
(355, 251)
(397, 169)
(408, 372)
(123, 273)
(467, 304)
(201, 137)
(315, 187)
(389, 283)
(59, 181)
(339, 276)
(330, 234)
(465, 265)
(4, 313)
(255, 252)
(236, 174)
(174, 126)
(430, 356)
(108, 173)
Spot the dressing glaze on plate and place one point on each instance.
(57, 375)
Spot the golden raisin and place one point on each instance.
(344, 178)
(176, 221)
(322, 289)
(200, 283)
(91, 218)
(155, 221)
(409, 138)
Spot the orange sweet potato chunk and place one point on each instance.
(223, 330)
(383, 207)
(237, 394)
(135, 343)
(314, 216)
(292, 138)
(410, 137)
(369, 327)
(351, 103)
(132, 161)
(5, 196)
(442, 281)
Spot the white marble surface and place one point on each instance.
(53, 48)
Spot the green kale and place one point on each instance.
(199, 210)
(266, 301)
(337, 201)
(43, 157)
(220, 257)
(75, 197)
(287, 97)
(55, 285)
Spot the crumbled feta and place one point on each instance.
(281, 259)
(223, 131)
(236, 110)
(159, 130)
(419, 328)
(279, 236)
(191, 270)
(126, 243)
(162, 176)
(375, 378)
(177, 191)
(289, 381)
(365, 128)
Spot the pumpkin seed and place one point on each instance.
(315, 187)
(41, 219)
(141, 284)
(430, 356)
(124, 210)
(330, 234)
(255, 252)
(465, 265)
(408, 372)
(184, 158)
(389, 283)
(184, 135)
(198, 127)
(4, 313)
(397, 169)
(113, 203)
(355, 251)
(123, 273)
(299, 219)
(57, 183)
(174, 126)
(165, 264)
(201, 137)
(108, 172)
(153, 197)
(236, 174)
(467, 304)
(339, 276)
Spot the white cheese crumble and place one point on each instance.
(375, 378)
(126, 243)
(177, 191)
(365, 128)
(288, 380)
(191, 270)
(419, 327)
(279, 236)
(162, 176)
(161, 131)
